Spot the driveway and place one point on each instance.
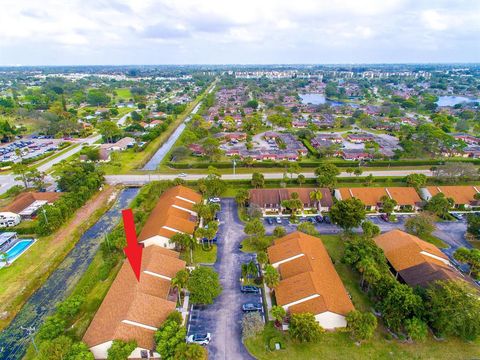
(223, 318)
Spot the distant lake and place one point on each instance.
(319, 99)
(454, 100)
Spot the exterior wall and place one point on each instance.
(101, 352)
(159, 241)
(330, 321)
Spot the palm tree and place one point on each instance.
(179, 282)
(271, 276)
(316, 195)
(184, 242)
(4, 257)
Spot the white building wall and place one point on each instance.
(158, 240)
(331, 321)
(101, 352)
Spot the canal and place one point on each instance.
(13, 340)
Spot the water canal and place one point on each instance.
(13, 340)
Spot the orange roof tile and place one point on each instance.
(144, 302)
(372, 196)
(404, 250)
(24, 200)
(167, 216)
(310, 274)
(460, 194)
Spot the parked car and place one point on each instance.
(457, 216)
(384, 217)
(319, 218)
(269, 221)
(200, 339)
(311, 220)
(247, 307)
(278, 220)
(214, 200)
(327, 220)
(249, 289)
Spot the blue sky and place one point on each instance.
(59, 32)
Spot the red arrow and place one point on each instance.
(133, 250)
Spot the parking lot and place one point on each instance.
(27, 149)
(223, 318)
(451, 232)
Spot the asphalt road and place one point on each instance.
(7, 181)
(223, 318)
(131, 179)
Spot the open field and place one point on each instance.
(123, 93)
(339, 345)
(20, 280)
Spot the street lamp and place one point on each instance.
(234, 163)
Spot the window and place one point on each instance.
(144, 354)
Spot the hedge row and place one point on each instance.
(315, 164)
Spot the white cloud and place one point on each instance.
(107, 31)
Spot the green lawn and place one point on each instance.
(123, 93)
(434, 240)
(338, 345)
(201, 255)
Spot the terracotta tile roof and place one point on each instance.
(144, 302)
(167, 216)
(404, 195)
(274, 197)
(310, 274)
(162, 261)
(460, 194)
(23, 200)
(368, 196)
(404, 250)
(371, 196)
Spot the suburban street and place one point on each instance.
(223, 318)
(131, 179)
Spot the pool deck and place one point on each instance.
(11, 261)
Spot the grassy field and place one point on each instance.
(434, 240)
(20, 280)
(338, 345)
(123, 93)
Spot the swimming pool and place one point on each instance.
(18, 249)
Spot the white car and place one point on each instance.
(200, 339)
(214, 200)
(182, 175)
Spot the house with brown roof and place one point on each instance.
(407, 198)
(27, 204)
(414, 261)
(461, 195)
(309, 281)
(270, 200)
(173, 214)
(133, 310)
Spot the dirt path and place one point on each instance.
(84, 213)
(29, 271)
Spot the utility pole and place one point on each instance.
(31, 332)
(45, 214)
(234, 163)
